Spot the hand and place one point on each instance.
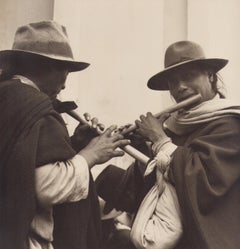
(122, 128)
(103, 147)
(137, 140)
(84, 133)
(93, 122)
(150, 127)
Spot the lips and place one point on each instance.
(185, 96)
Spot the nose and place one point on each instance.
(63, 87)
(181, 86)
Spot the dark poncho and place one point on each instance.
(206, 172)
(32, 135)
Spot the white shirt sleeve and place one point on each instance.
(62, 181)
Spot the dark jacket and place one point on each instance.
(33, 134)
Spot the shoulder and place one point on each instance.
(20, 90)
(222, 129)
(226, 123)
(16, 95)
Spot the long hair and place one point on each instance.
(218, 84)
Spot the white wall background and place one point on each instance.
(121, 40)
(125, 41)
(215, 24)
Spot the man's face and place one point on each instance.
(190, 81)
(54, 82)
(51, 79)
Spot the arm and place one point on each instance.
(62, 181)
(60, 169)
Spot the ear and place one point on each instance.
(211, 77)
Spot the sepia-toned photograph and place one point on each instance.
(120, 124)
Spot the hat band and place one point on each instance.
(183, 59)
(52, 49)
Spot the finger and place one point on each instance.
(121, 143)
(116, 137)
(117, 131)
(101, 126)
(164, 117)
(127, 125)
(99, 129)
(109, 130)
(117, 153)
(140, 125)
(150, 115)
(142, 117)
(94, 122)
(137, 123)
(120, 129)
(87, 116)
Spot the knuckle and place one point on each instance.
(94, 119)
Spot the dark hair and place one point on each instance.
(217, 84)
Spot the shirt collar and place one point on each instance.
(26, 81)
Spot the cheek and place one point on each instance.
(59, 81)
(173, 93)
(205, 89)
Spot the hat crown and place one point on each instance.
(46, 38)
(182, 51)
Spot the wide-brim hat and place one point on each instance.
(181, 54)
(47, 39)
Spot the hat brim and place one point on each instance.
(70, 64)
(159, 80)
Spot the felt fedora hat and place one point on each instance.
(47, 39)
(180, 54)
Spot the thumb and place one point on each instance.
(164, 117)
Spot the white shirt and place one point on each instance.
(55, 183)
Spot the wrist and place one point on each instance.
(90, 158)
(160, 143)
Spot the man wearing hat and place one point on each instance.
(202, 142)
(47, 196)
(197, 149)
